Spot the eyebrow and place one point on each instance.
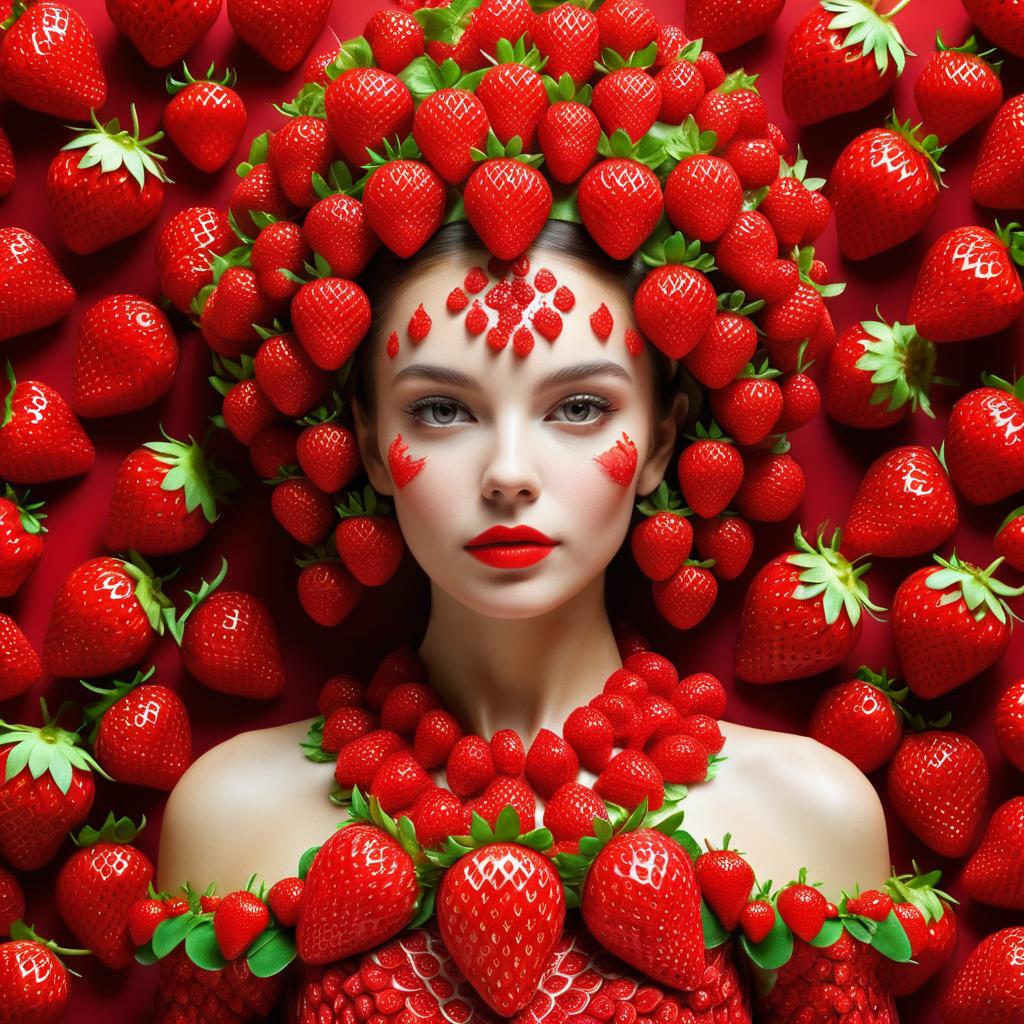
(567, 374)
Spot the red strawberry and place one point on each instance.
(205, 118)
(570, 811)
(681, 759)
(726, 25)
(996, 181)
(231, 309)
(449, 123)
(570, 38)
(239, 919)
(12, 901)
(184, 250)
(748, 407)
(377, 901)
(470, 767)
(801, 401)
(104, 618)
(626, 26)
(969, 284)
(756, 161)
(747, 249)
(861, 719)
(328, 455)
(626, 99)
(1002, 25)
(113, 190)
(288, 377)
(726, 881)
(328, 592)
(21, 542)
(648, 916)
(404, 202)
(701, 693)
(773, 485)
(687, 596)
(35, 982)
(359, 760)
(280, 33)
(757, 919)
(918, 893)
(366, 106)
(34, 292)
(728, 345)
(661, 541)
(284, 898)
(994, 873)
(681, 87)
(620, 202)
(303, 510)
(507, 203)
(228, 641)
(344, 725)
(589, 732)
(718, 114)
(367, 538)
(841, 56)
(989, 984)
(140, 732)
(508, 753)
(630, 778)
(1009, 724)
(98, 885)
(950, 622)
(878, 372)
(550, 763)
(298, 150)
(500, 911)
(258, 191)
(41, 802)
(937, 782)
(703, 194)
(163, 34)
(62, 76)
(710, 472)
(983, 450)
(8, 168)
(165, 498)
(657, 671)
(21, 668)
(905, 505)
(436, 815)
(331, 317)
(405, 705)
(513, 95)
(506, 792)
(246, 411)
(568, 135)
(802, 613)
(728, 541)
(802, 907)
(437, 732)
(395, 37)
(336, 229)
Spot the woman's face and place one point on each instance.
(466, 437)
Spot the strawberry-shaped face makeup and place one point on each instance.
(402, 465)
(619, 461)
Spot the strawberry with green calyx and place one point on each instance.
(801, 399)
(368, 539)
(336, 227)
(686, 597)
(246, 410)
(661, 541)
(47, 789)
(228, 309)
(513, 93)
(710, 471)
(145, 914)
(449, 122)
(165, 498)
(651, 917)
(205, 117)
(794, 205)
(726, 881)
(842, 56)
(370, 880)
(228, 640)
(328, 592)
(803, 612)
(569, 132)
(299, 149)
(98, 886)
(915, 896)
(1009, 540)
(287, 376)
(749, 406)
(878, 373)
(676, 304)
(500, 908)
(21, 542)
(727, 540)
(280, 249)
(183, 251)
(950, 622)
(627, 97)
(258, 189)
(729, 343)
(113, 190)
(395, 37)
(758, 917)
(239, 918)
(140, 732)
(34, 981)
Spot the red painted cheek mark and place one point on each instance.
(547, 322)
(457, 300)
(544, 280)
(521, 267)
(522, 341)
(475, 281)
(393, 344)
(564, 299)
(619, 462)
(403, 467)
(476, 319)
(419, 324)
(601, 322)
(634, 341)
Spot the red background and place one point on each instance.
(260, 554)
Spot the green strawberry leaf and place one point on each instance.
(829, 934)
(861, 928)
(202, 948)
(774, 950)
(272, 953)
(715, 934)
(891, 940)
(171, 932)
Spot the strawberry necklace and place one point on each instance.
(471, 853)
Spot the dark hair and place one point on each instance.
(386, 271)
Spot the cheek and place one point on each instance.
(403, 466)
(619, 461)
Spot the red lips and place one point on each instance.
(510, 547)
(510, 535)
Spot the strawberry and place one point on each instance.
(626, 26)
(802, 907)
(328, 592)
(437, 732)
(34, 292)
(165, 498)
(671, 40)
(878, 373)
(205, 117)
(64, 77)
(448, 124)
(258, 191)
(513, 95)
(993, 874)
(996, 181)
(228, 641)
(21, 542)
(681, 759)
(358, 761)
(569, 37)
(701, 693)
(140, 732)
(629, 779)
(367, 538)
(284, 898)
(687, 596)
(395, 37)
(184, 249)
(366, 106)
(104, 618)
(398, 782)
(1002, 25)
(98, 885)
(726, 881)
(331, 317)
(620, 202)
(727, 540)
(405, 705)
(802, 613)
(379, 898)
(336, 229)
(937, 782)
(341, 691)
(21, 668)
(728, 345)
(749, 406)
(328, 455)
(344, 726)
(570, 811)
(112, 191)
(917, 892)
(801, 401)
(298, 150)
(1009, 724)
(950, 622)
(246, 410)
(861, 718)
(703, 194)
(239, 919)
(756, 161)
(773, 485)
(841, 56)
(506, 792)
(726, 24)
(681, 87)
(288, 377)
(8, 167)
(884, 188)
(747, 247)
(719, 115)
(436, 815)
(280, 33)
(470, 767)
(969, 284)
(627, 99)
(404, 201)
(757, 919)
(12, 901)
(163, 34)
(904, 506)
(657, 671)
(550, 763)
(35, 982)
(40, 802)
(507, 203)
(989, 984)
(303, 510)
(984, 457)
(589, 732)
(231, 309)
(661, 541)
(710, 472)
(647, 916)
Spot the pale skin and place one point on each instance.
(502, 446)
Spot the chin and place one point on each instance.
(516, 594)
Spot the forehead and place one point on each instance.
(473, 314)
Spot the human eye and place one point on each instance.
(435, 411)
(581, 409)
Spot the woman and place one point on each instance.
(462, 438)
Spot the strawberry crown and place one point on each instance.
(175, 85)
(203, 482)
(22, 932)
(9, 399)
(901, 363)
(970, 47)
(46, 750)
(1012, 236)
(1015, 514)
(29, 513)
(112, 148)
(120, 831)
(176, 624)
(95, 711)
(884, 682)
(830, 576)
(663, 499)
(1014, 388)
(736, 302)
(803, 257)
(148, 589)
(928, 146)
(873, 32)
(481, 833)
(367, 503)
(919, 889)
(977, 588)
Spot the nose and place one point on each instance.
(509, 473)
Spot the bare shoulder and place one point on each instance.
(250, 804)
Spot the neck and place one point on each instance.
(522, 674)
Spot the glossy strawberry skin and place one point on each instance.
(905, 979)
(371, 547)
(773, 487)
(35, 983)
(955, 92)
(365, 106)
(859, 721)
(328, 455)
(995, 873)
(404, 204)
(328, 592)
(1002, 24)
(163, 32)
(1009, 723)
(281, 33)
(620, 202)
(206, 121)
(20, 550)
(998, 179)
(686, 597)
(183, 251)
(983, 450)
(568, 135)
(727, 24)
(336, 228)
(990, 984)
(849, 389)
(35, 293)
(20, 667)
(729, 540)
